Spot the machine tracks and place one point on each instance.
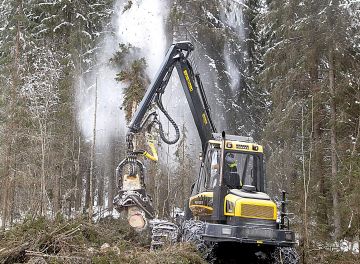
(165, 232)
(286, 255)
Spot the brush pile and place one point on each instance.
(78, 241)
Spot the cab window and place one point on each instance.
(214, 169)
(241, 169)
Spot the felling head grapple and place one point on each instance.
(132, 196)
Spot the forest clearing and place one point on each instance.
(250, 149)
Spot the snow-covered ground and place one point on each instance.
(347, 246)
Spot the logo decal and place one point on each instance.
(188, 81)
(204, 119)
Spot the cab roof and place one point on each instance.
(218, 137)
(237, 143)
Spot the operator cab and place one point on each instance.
(242, 166)
(243, 179)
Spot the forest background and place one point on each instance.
(283, 72)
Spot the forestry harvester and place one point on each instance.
(228, 207)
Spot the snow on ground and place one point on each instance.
(347, 246)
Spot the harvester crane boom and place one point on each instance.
(132, 191)
(177, 56)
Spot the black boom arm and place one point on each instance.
(177, 56)
(130, 172)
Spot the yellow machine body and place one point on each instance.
(235, 206)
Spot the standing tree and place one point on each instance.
(184, 173)
(37, 102)
(308, 68)
(41, 91)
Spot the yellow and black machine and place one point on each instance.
(228, 200)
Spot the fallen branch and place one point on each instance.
(59, 229)
(30, 253)
(13, 254)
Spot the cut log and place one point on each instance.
(136, 218)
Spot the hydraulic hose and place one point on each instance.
(161, 130)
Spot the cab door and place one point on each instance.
(202, 194)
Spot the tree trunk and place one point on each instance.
(57, 184)
(165, 209)
(43, 178)
(92, 158)
(111, 172)
(319, 171)
(100, 183)
(11, 127)
(305, 183)
(78, 179)
(12, 191)
(335, 194)
(87, 186)
(5, 203)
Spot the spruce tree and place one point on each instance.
(308, 67)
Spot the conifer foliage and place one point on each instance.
(43, 47)
(132, 74)
(284, 72)
(310, 65)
